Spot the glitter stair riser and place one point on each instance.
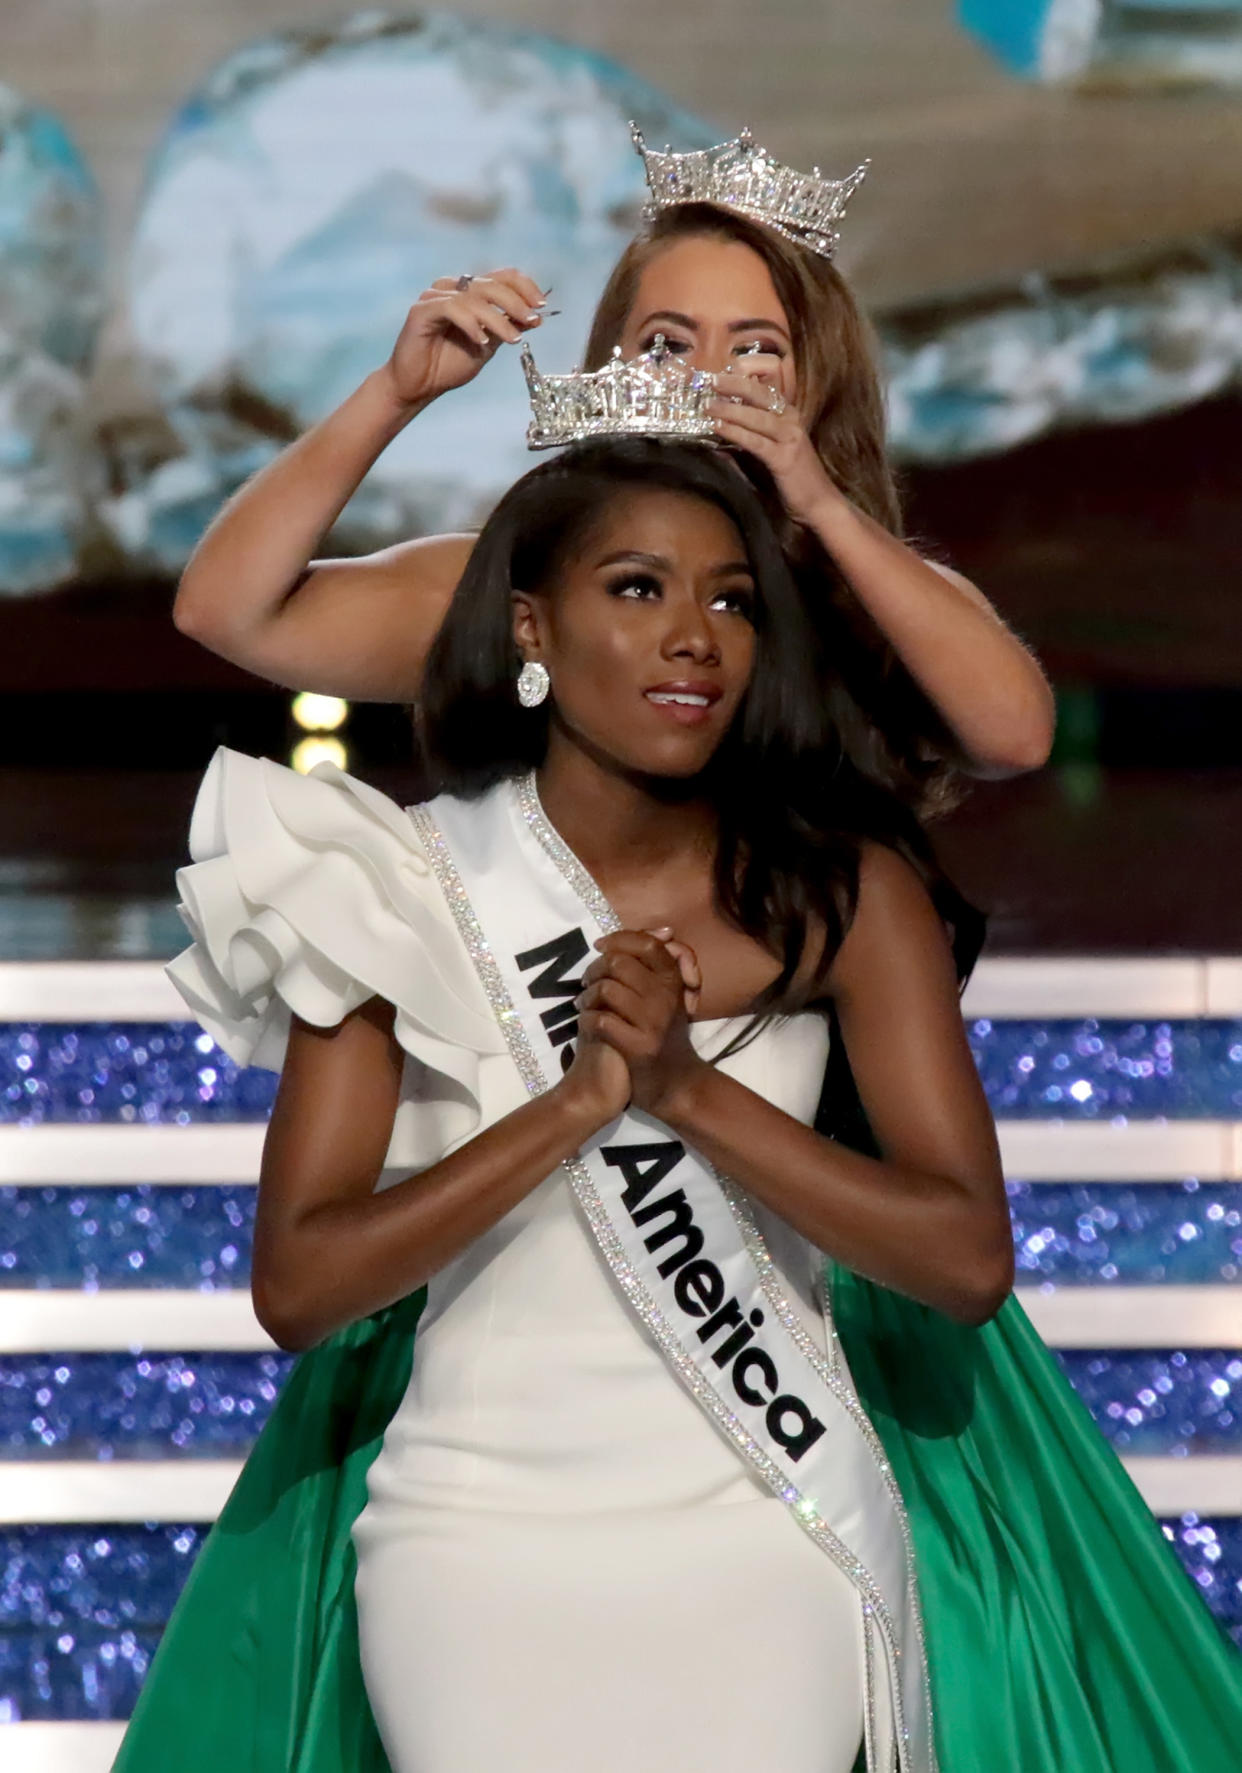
(82, 1608)
(171, 1073)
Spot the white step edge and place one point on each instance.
(1208, 1484)
(1118, 1318)
(223, 1151)
(1017, 987)
(176, 1320)
(59, 1748)
(62, 1492)
(229, 1151)
(1123, 1151)
(1147, 987)
(45, 1492)
(88, 991)
(130, 1319)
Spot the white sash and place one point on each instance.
(684, 1248)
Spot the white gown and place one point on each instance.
(550, 1564)
(562, 1566)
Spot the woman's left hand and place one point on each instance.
(751, 414)
(635, 998)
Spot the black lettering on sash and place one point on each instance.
(643, 1166)
(740, 1337)
(803, 1435)
(754, 1357)
(681, 1224)
(557, 958)
(730, 1313)
(561, 1012)
(699, 1288)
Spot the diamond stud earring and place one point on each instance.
(533, 683)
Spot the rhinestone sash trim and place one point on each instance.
(874, 1606)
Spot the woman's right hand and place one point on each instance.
(598, 1082)
(451, 332)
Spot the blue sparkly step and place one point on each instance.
(147, 1406)
(150, 1236)
(1178, 1402)
(82, 1608)
(81, 1612)
(171, 1073)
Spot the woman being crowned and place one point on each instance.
(642, 1425)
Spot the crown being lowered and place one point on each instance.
(738, 175)
(655, 395)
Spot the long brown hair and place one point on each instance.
(834, 347)
(895, 734)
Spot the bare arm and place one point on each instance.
(360, 628)
(928, 1218)
(987, 687)
(327, 1248)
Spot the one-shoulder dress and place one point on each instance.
(558, 1565)
(562, 1564)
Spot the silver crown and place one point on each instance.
(738, 175)
(654, 395)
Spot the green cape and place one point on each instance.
(1063, 1636)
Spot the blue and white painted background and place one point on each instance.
(299, 193)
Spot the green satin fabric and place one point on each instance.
(1063, 1637)
(258, 1671)
(1062, 1634)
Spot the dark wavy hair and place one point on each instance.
(795, 796)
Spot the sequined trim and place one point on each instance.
(613, 1250)
(868, 1661)
(554, 845)
(479, 949)
(832, 1375)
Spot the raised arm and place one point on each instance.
(928, 1218)
(359, 628)
(327, 1248)
(986, 685)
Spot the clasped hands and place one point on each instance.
(633, 1041)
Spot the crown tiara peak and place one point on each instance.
(654, 395)
(739, 175)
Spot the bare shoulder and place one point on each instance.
(895, 923)
(889, 886)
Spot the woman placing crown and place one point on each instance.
(593, 1463)
(734, 268)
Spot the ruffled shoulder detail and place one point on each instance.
(308, 895)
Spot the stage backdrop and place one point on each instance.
(213, 216)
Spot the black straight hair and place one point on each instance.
(795, 785)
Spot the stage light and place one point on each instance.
(319, 714)
(318, 748)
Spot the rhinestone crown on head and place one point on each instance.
(738, 175)
(655, 395)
